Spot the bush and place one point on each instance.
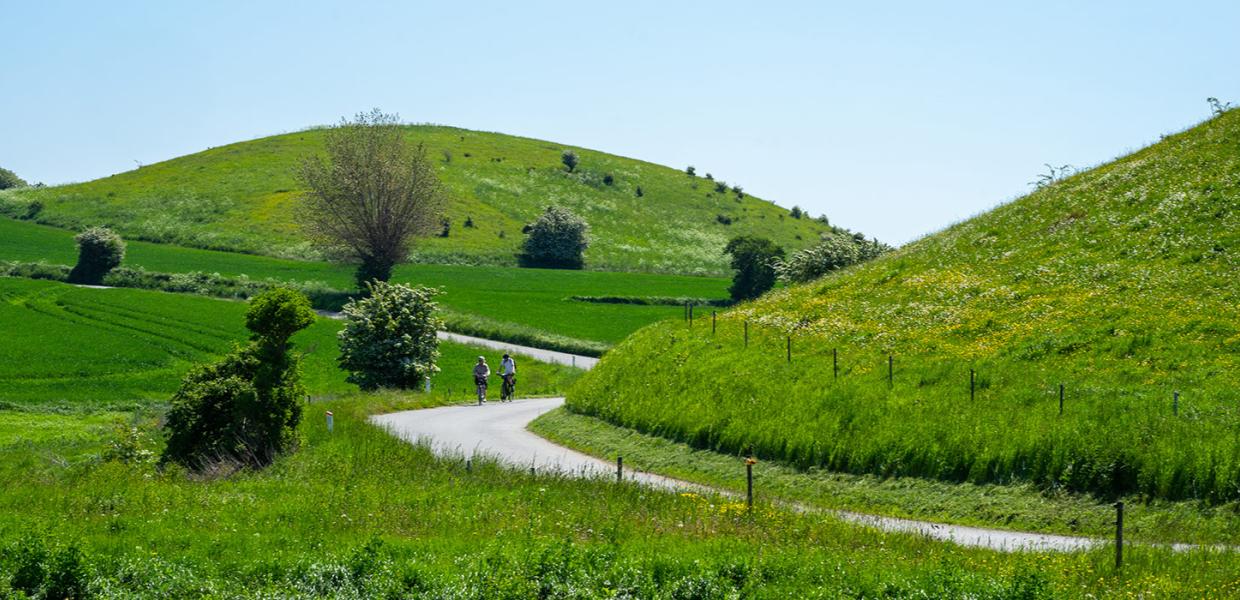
(390, 337)
(32, 210)
(9, 179)
(569, 158)
(558, 240)
(639, 192)
(99, 250)
(245, 408)
(833, 252)
(469, 222)
(796, 212)
(445, 227)
(753, 259)
(37, 571)
(608, 179)
(721, 187)
(723, 219)
(691, 171)
(739, 191)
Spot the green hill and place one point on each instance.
(1122, 283)
(240, 197)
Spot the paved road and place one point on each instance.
(499, 430)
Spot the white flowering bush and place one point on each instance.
(389, 338)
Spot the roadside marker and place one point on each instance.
(331, 421)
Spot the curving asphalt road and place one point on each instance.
(499, 430)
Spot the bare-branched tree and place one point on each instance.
(371, 195)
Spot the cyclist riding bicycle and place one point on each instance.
(481, 373)
(508, 370)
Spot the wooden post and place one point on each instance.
(469, 465)
(619, 468)
(1061, 398)
(789, 348)
(749, 484)
(835, 363)
(1175, 403)
(972, 380)
(746, 334)
(891, 366)
(1119, 534)
(713, 314)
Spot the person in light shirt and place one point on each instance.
(481, 372)
(508, 370)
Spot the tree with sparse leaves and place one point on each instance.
(372, 194)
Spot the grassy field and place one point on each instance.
(241, 197)
(359, 514)
(490, 299)
(1017, 507)
(1119, 282)
(78, 349)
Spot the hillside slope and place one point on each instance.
(241, 197)
(1122, 283)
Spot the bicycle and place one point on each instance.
(481, 382)
(508, 389)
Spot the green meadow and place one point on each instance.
(241, 197)
(1118, 283)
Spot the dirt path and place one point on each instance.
(499, 430)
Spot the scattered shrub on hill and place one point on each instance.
(721, 187)
(99, 251)
(9, 180)
(691, 171)
(244, 409)
(796, 212)
(445, 227)
(469, 222)
(372, 196)
(723, 219)
(753, 259)
(32, 210)
(389, 338)
(608, 179)
(1052, 175)
(823, 219)
(569, 158)
(558, 239)
(710, 177)
(832, 253)
(639, 192)
(739, 191)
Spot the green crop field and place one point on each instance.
(241, 197)
(1119, 283)
(492, 299)
(100, 350)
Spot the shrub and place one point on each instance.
(37, 571)
(569, 158)
(390, 337)
(833, 252)
(710, 177)
(469, 222)
(690, 171)
(558, 239)
(639, 192)
(823, 219)
(721, 187)
(445, 227)
(739, 191)
(608, 179)
(753, 259)
(9, 179)
(796, 212)
(245, 408)
(32, 210)
(723, 219)
(99, 250)
(1216, 108)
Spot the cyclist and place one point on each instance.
(508, 370)
(481, 373)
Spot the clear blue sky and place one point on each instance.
(892, 118)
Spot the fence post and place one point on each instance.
(835, 363)
(891, 362)
(749, 483)
(469, 465)
(789, 348)
(1119, 534)
(972, 379)
(1175, 404)
(619, 468)
(1061, 398)
(746, 334)
(331, 421)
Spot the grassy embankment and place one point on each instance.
(531, 306)
(1119, 282)
(240, 197)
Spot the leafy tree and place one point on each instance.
(390, 337)
(99, 250)
(721, 187)
(753, 259)
(557, 239)
(245, 408)
(372, 195)
(569, 158)
(9, 179)
(691, 171)
(796, 212)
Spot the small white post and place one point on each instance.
(574, 361)
(331, 422)
(428, 385)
